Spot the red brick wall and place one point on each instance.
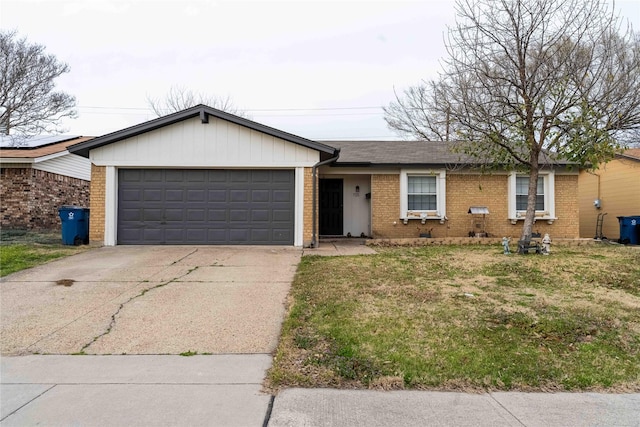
(30, 198)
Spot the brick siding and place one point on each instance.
(463, 191)
(307, 229)
(31, 197)
(98, 180)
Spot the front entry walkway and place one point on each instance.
(340, 246)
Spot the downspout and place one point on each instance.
(314, 209)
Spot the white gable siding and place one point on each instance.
(191, 143)
(68, 165)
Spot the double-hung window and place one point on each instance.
(545, 196)
(522, 193)
(422, 194)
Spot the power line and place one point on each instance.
(245, 109)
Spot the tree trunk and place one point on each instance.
(531, 198)
(7, 120)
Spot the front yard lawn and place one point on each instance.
(464, 318)
(20, 250)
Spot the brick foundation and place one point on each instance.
(31, 197)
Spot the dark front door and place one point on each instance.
(331, 207)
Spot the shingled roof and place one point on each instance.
(632, 153)
(403, 153)
(28, 152)
(392, 153)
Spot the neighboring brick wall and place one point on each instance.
(307, 229)
(31, 197)
(464, 191)
(96, 225)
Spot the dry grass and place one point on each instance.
(465, 318)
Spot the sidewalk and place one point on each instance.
(221, 390)
(323, 407)
(225, 390)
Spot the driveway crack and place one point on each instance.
(114, 316)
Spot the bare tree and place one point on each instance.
(180, 98)
(28, 102)
(528, 82)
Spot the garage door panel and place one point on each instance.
(135, 233)
(131, 194)
(173, 235)
(260, 195)
(152, 215)
(197, 235)
(238, 215)
(196, 195)
(282, 176)
(176, 215)
(238, 195)
(217, 196)
(280, 215)
(282, 196)
(174, 195)
(261, 176)
(239, 236)
(152, 195)
(196, 215)
(130, 175)
(260, 235)
(239, 176)
(217, 215)
(259, 215)
(217, 236)
(174, 175)
(131, 214)
(218, 176)
(154, 235)
(184, 206)
(195, 175)
(281, 235)
(153, 175)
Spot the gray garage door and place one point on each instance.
(209, 207)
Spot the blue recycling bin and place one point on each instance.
(629, 229)
(75, 224)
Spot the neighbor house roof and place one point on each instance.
(204, 112)
(632, 153)
(29, 153)
(403, 153)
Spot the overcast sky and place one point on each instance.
(318, 69)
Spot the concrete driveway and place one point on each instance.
(149, 300)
